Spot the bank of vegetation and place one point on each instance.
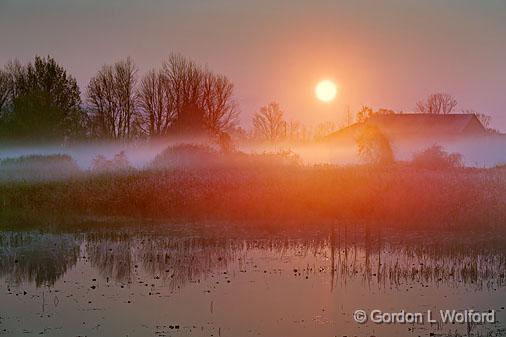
(188, 183)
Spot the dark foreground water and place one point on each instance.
(156, 281)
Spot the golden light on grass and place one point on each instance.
(326, 91)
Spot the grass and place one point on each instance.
(279, 195)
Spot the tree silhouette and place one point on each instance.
(112, 101)
(156, 112)
(364, 113)
(39, 102)
(374, 147)
(438, 103)
(184, 98)
(269, 123)
(5, 88)
(199, 95)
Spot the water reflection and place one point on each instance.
(177, 260)
(376, 259)
(36, 257)
(242, 283)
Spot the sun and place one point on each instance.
(326, 91)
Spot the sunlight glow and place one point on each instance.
(326, 91)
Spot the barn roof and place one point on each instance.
(426, 123)
(416, 124)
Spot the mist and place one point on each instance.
(138, 153)
(57, 162)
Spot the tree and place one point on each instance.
(5, 89)
(112, 101)
(126, 80)
(438, 103)
(158, 116)
(384, 111)
(484, 119)
(197, 95)
(269, 123)
(40, 101)
(293, 131)
(364, 113)
(11, 78)
(324, 129)
(374, 147)
(220, 110)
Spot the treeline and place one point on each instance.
(41, 101)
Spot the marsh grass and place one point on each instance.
(279, 195)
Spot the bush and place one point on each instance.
(119, 162)
(374, 147)
(435, 158)
(38, 167)
(185, 155)
(197, 155)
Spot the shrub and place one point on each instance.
(436, 158)
(185, 155)
(197, 155)
(38, 167)
(117, 163)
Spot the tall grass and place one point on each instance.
(400, 196)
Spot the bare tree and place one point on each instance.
(199, 100)
(126, 82)
(484, 119)
(183, 80)
(293, 131)
(438, 103)
(5, 89)
(112, 100)
(103, 104)
(220, 110)
(154, 103)
(269, 123)
(324, 129)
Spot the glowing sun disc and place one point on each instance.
(326, 91)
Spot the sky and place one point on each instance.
(384, 54)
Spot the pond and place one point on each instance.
(182, 280)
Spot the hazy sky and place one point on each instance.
(386, 54)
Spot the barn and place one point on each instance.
(410, 133)
(415, 125)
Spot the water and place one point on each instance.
(206, 281)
